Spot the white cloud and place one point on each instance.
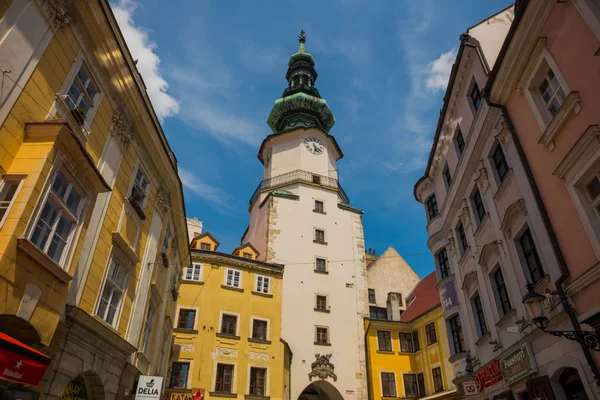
(438, 70)
(143, 50)
(214, 196)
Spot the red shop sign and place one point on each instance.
(21, 363)
(488, 375)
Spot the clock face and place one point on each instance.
(314, 145)
(268, 158)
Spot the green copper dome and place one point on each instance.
(301, 105)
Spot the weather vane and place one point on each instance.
(302, 37)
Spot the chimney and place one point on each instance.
(393, 306)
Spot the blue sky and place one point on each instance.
(214, 68)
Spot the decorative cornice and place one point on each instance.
(515, 209)
(468, 279)
(504, 136)
(58, 12)
(589, 141)
(217, 258)
(488, 250)
(590, 276)
(572, 104)
(540, 45)
(163, 203)
(121, 127)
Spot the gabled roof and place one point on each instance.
(203, 235)
(243, 246)
(424, 297)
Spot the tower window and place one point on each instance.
(432, 207)
(322, 335)
(316, 179)
(319, 207)
(372, 296)
(320, 236)
(321, 265)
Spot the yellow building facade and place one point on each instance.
(409, 358)
(92, 233)
(227, 331)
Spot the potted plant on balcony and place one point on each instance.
(136, 199)
(79, 114)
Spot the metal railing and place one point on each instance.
(300, 175)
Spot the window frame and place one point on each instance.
(319, 206)
(147, 330)
(447, 176)
(220, 381)
(531, 251)
(479, 315)
(317, 302)
(385, 384)
(384, 343)
(477, 206)
(432, 208)
(317, 261)
(371, 293)
(499, 175)
(461, 238)
(428, 333)
(258, 320)
(446, 271)
(327, 335)
(253, 389)
(78, 61)
(501, 303)
(459, 145)
(456, 334)
(178, 376)
(377, 312)
(474, 88)
(222, 325)
(233, 270)
(415, 385)
(11, 202)
(406, 342)
(75, 217)
(260, 288)
(187, 318)
(434, 377)
(316, 236)
(192, 268)
(124, 265)
(203, 245)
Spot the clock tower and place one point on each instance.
(301, 217)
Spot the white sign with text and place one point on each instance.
(149, 387)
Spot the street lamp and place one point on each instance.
(534, 303)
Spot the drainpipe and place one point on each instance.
(564, 269)
(367, 362)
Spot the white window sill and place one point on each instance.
(43, 259)
(571, 105)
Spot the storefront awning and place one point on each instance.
(21, 363)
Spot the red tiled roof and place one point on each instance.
(425, 296)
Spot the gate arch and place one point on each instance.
(320, 390)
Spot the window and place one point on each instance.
(430, 333)
(447, 177)
(438, 383)
(247, 256)
(164, 250)
(388, 383)
(378, 312)
(193, 272)
(60, 215)
(319, 235)
(83, 92)
(148, 324)
(475, 97)
(499, 161)
(593, 190)
(432, 207)
(322, 335)
(224, 379)
(421, 382)
(411, 388)
(444, 263)
(502, 298)
(530, 255)
(8, 192)
(233, 278)
(550, 92)
(263, 284)
(257, 381)
(112, 292)
(229, 325)
(140, 189)
(320, 265)
(458, 341)
(463, 244)
(316, 179)
(319, 206)
(459, 141)
(479, 315)
(384, 340)
(415, 341)
(478, 207)
(179, 374)
(406, 342)
(372, 296)
(259, 329)
(205, 246)
(187, 319)
(321, 303)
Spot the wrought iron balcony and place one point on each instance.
(300, 175)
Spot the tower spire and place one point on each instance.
(302, 40)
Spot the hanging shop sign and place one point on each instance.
(21, 363)
(149, 387)
(470, 388)
(448, 296)
(517, 365)
(488, 376)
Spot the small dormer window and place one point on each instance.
(247, 255)
(205, 246)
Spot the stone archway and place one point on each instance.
(85, 386)
(570, 383)
(566, 374)
(320, 390)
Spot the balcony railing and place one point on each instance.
(300, 176)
